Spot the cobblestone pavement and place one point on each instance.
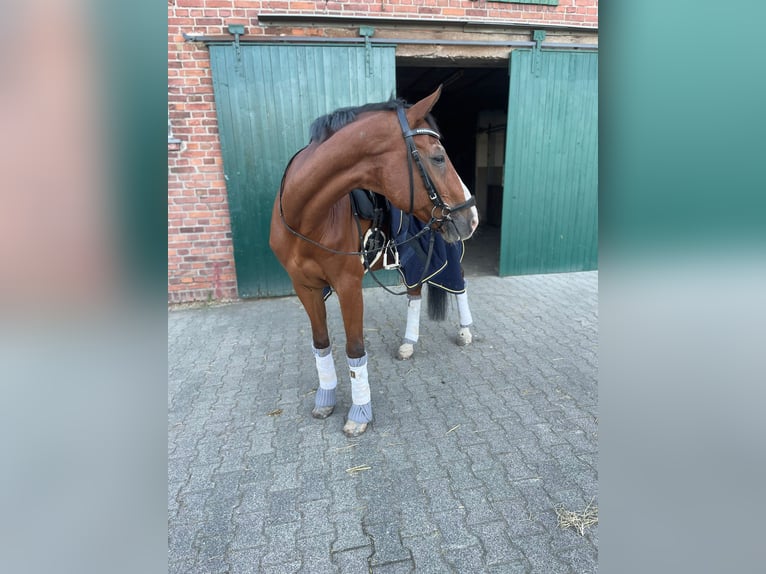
(471, 452)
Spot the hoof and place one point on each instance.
(322, 412)
(464, 337)
(406, 351)
(353, 429)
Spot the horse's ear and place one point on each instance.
(420, 110)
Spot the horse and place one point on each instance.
(316, 238)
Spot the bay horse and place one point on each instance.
(394, 150)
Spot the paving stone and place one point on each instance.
(404, 567)
(284, 566)
(478, 508)
(191, 507)
(212, 565)
(582, 559)
(178, 472)
(219, 510)
(181, 542)
(353, 560)
(254, 496)
(344, 493)
(314, 486)
(427, 553)
(541, 557)
(465, 559)
(454, 532)
(199, 479)
(281, 543)
(521, 522)
(461, 477)
(514, 567)
(249, 527)
(283, 506)
(181, 566)
(386, 543)
(415, 518)
(210, 546)
(314, 518)
(381, 502)
(439, 494)
(208, 452)
(233, 459)
(348, 529)
(496, 543)
(316, 555)
(246, 561)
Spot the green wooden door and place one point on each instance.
(550, 197)
(266, 100)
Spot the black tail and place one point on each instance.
(437, 303)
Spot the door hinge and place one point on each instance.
(537, 60)
(237, 30)
(367, 32)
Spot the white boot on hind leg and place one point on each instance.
(466, 320)
(412, 331)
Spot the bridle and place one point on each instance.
(414, 156)
(438, 203)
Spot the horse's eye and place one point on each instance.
(438, 159)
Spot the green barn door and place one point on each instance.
(550, 197)
(266, 98)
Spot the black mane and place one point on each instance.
(325, 126)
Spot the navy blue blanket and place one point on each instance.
(444, 269)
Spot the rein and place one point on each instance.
(433, 195)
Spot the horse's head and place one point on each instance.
(436, 194)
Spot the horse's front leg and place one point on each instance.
(313, 302)
(352, 308)
(412, 330)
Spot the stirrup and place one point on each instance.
(391, 248)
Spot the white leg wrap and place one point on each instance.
(412, 332)
(463, 310)
(328, 379)
(360, 386)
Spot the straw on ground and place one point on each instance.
(357, 469)
(577, 520)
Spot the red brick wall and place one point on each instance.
(200, 251)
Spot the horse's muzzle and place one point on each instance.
(459, 225)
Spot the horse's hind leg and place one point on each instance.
(464, 336)
(313, 302)
(412, 330)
